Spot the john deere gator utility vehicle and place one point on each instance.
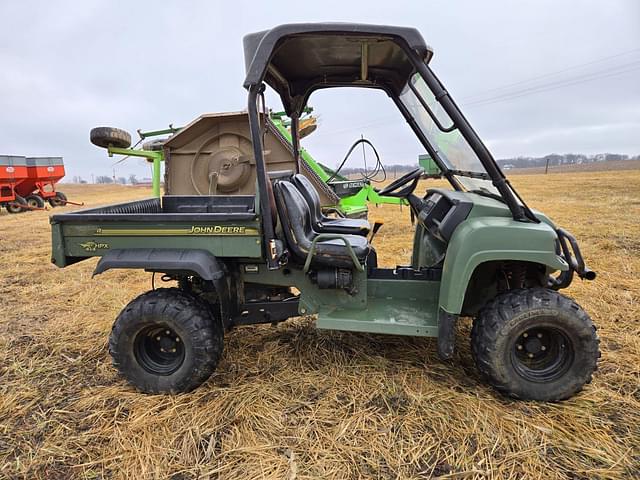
(266, 255)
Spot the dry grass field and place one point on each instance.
(292, 402)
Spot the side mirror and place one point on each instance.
(431, 169)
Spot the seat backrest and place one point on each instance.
(295, 218)
(310, 194)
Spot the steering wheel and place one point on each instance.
(394, 189)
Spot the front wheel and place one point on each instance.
(166, 341)
(535, 344)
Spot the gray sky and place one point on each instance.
(533, 76)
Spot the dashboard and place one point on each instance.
(440, 214)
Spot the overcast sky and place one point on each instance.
(534, 77)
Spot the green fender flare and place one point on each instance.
(484, 239)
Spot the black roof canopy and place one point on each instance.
(295, 59)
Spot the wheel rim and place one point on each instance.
(33, 203)
(542, 354)
(159, 350)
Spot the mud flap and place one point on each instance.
(446, 334)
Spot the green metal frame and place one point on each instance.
(153, 156)
(352, 205)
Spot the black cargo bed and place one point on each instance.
(171, 208)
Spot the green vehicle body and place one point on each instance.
(489, 234)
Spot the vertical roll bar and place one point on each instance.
(261, 174)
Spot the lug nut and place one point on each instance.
(158, 338)
(525, 334)
(177, 339)
(539, 335)
(173, 350)
(519, 347)
(530, 355)
(168, 332)
(543, 348)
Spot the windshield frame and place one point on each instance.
(453, 148)
(519, 210)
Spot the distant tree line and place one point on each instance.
(105, 179)
(393, 171)
(556, 159)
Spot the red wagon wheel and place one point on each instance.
(59, 200)
(35, 201)
(16, 206)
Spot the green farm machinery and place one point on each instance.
(341, 195)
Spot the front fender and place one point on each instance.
(484, 239)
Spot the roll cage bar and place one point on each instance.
(333, 66)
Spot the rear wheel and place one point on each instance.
(535, 344)
(16, 206)
(166, 341)
(35, 201)
(59, 200)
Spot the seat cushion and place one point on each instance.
(322, 223)
(354, 226)
(334, 252)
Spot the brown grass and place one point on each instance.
(294, 402)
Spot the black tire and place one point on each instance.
(34, 201)
(60, 200)
(16, 206)
(154, 145)
(535, 344)
(153, 360)
(107, 136)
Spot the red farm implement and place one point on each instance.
(40, 185)
(13, 170)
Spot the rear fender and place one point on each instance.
(485, 239)
(174, 261)
(166, 260)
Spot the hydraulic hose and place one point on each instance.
(367, 176)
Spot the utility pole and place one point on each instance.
(546, 168)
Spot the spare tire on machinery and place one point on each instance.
(154, 145)
(16, 206)
(35, 201)
(106, 137)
